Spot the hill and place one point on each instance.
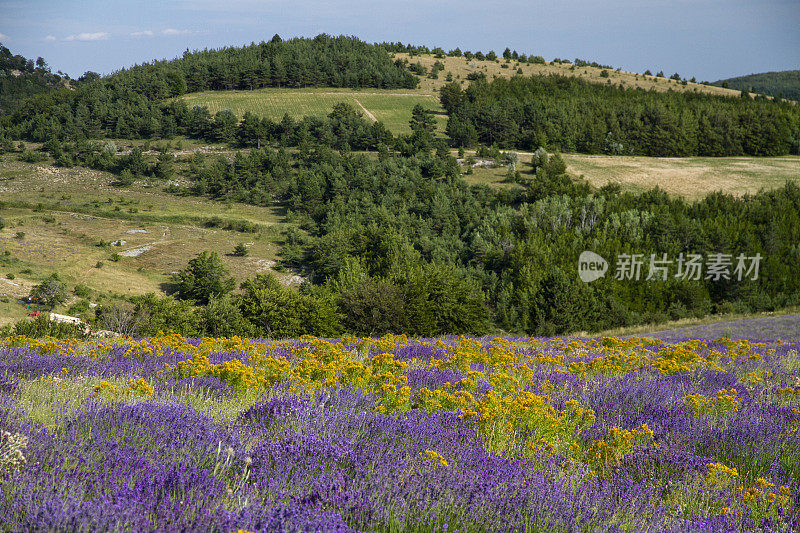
(782, 84)
(462, 69)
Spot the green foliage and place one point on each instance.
(28, 79)
(50, 292)
(32, 156)
(240, 250)
(42, 326)
(278, 312)
(132, 103)
(783, 84)
(578, 116)
(81, 291)
(222, 317)
(204, 277)
(165, 314)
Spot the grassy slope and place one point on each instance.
(393, 107)
(79, 208)
(460, 68)
(690, 177)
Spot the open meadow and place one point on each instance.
(391, 434)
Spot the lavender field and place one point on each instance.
(391, 434)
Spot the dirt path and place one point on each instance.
(370, 115)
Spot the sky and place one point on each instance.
(708, 39)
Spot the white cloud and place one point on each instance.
(99, 36)
(173, 31)
(3, 37)
(50, 38)
(144, 33)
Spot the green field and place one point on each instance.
(392, 107)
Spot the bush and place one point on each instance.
(81, 291)
(240, 250)
(51, 292)
(42, 326)
(204, 277)
(278, 312)
(222, 317)
(165, 314)
(31, 156)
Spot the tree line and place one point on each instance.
(574, 115)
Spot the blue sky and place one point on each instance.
(709, 39)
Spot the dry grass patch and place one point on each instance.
(460, 68)
(690, 177)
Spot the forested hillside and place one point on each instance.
(132, 103)
(573, 115)
(783, 84)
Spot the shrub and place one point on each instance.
(31, 156)
(51, 292)
(81, 291)
(165, 314)
(204, 277)
(42, 326)
(240, 250)
(278, 312)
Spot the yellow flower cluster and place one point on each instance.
(725, 402)
(604, 454)
(138, 387)
(760, 500)
(305, 369)
(720, 475)
(434, 457)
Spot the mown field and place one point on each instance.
(392, 107)
(391, 434)
(690, 177)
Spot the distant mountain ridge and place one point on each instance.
(780, 84)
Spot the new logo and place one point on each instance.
(591, 266)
